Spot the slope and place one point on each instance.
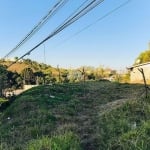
(64, 110)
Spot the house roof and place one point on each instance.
(134, 66)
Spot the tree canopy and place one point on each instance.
(143, 57)
(27, 71)
(3, 79)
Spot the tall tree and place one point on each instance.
(64, 75)
(3, 79)
(14, 80)
(143, 57)
(28, 76)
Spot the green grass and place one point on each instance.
(67, 141)
(2, 100)
(53, 115)
(127, 127)
(35, 113)
(136, 139)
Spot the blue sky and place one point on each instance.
(113, 42)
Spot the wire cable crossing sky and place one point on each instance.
(99, 19)
(115, 32)
(92, 4)
(52, 12)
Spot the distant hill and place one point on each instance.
(21, 65)
(17, 67)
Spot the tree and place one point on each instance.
(143, 57)
(3, 79)
(28, 76)
(100, 73)
(91, 76)
(14, 80)
(39, 77)
(16, 58)
(64, 75)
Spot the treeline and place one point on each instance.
(143, 57)
(31, 72)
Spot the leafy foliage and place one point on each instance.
(143, 57)
(3, 79)
(28, 76)
(45, 74)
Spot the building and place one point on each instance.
(136, 76)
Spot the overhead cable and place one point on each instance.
(99, 19)
(91, 4)
(36, 28)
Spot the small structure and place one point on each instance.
(27, 87)
(136, 75)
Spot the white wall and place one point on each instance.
(136, 76)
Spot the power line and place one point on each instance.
(96, 21)
(92, 4)
(79, 14)
(36, 28)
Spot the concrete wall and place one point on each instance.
(8, 92)
(136, 76)
(26, 87)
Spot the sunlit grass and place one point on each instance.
(126, 127)
(67, 141)
(2, 100)
(61, 111)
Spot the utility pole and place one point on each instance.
(59, 74)
(44, 54)
(83, 75)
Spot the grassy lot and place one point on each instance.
(91, 116)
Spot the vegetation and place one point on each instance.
(67, 141)
(76, 109)
(90, 115)
(32, 72)
(9, 80)
(3, 79)
(143, 57)
(28, 76)
(2, 100)
(127, 127)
